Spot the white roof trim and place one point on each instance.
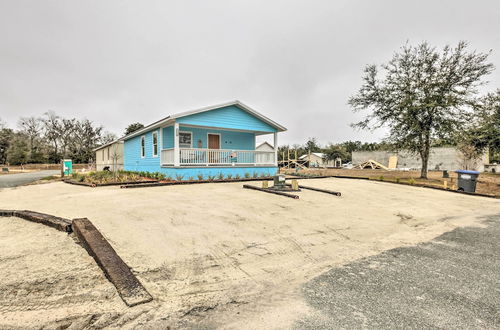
(192, 112)
(108, 144)
(265, 142)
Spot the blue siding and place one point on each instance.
(168, 137)
(228, 139)
(188, 173)
(228, 117)
(132, 154)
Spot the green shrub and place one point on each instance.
(221, 176)
(211, 177)
(179, 177)
(191, 178)
(237, 177)
(398, 180)
(200, 177)
(229, 176)
(411, 181)
(255, 175)
(247, 175)
(381, 178)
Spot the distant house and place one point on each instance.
(109, 156)
(216, 140)
(264, 146)
(318, 159)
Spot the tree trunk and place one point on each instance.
(424, 154)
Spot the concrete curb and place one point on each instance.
(129, 288)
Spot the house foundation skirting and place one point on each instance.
(190, 173)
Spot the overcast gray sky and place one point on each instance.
(297, 62)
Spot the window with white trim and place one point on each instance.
(155, 144)
(185, 139)
(143, 146)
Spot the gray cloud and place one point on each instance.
(117, 62)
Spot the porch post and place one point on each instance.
(276, 149)
(176, 145)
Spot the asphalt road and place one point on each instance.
(14, 180)
(452, 281)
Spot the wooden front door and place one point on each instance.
(213, 143)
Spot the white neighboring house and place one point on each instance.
(109, 155)
(317, 159)
(264, 146)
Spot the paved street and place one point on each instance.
(14, 180)
(452, 281)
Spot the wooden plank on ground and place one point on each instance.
(46, 219)
(116, 270)
(247, 186)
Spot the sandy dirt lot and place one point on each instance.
(214, 255)
(488, 183)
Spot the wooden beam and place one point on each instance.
(116, 270)
(271, 191)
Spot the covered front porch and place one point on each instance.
(196, 146)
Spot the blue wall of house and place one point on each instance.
(229, 139)
(228, 117)
(189, 173)
(132, 160)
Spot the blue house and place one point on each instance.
(205, 142)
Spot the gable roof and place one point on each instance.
(172, 118)
(264, 143)
(317, 154)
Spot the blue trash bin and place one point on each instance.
(467, 180)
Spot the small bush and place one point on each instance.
(247, 175)
(381, 178)
(221, 176)
(200, 177)
(229, 176)
(237, 177)
(411, 181)
(255, 175)
(211, 177)
(168, 178)
(191, 178)
(179, 177)
(398, 180)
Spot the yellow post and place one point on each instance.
(265, 184)
(295, 184)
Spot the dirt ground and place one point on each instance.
(488, 183)
(211, 255)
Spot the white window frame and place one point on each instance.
(143, 146)
(153, 143)
(186, 132)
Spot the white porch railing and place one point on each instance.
(217, 157)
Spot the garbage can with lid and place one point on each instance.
(467, 180)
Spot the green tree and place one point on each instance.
(5, 140)
(312, 145)
(423, 95)
(332, 152)
(19, 150)
(133, 127)
(484, 130)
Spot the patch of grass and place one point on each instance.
(411, 181)
(50, 177)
